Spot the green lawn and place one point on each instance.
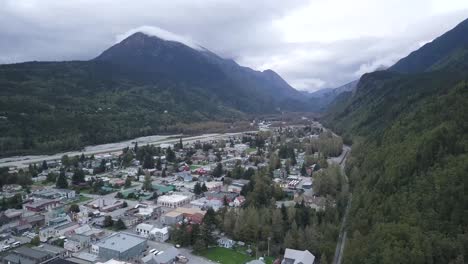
(194, 167)
(225, 256)
(250, 150)
(228, 256)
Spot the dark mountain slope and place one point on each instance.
(141, 86)
(408, 164)
(429, 54)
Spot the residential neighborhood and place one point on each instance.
(168, 203)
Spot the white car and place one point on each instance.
(152, 251)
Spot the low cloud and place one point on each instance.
(160, 33)
(311, 44)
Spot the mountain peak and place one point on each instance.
(152, 32)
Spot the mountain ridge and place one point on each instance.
(140, 86)
(409, 159)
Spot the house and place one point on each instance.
(229, 196)
(292, 256)
(128, 220)
(238, 201)
(237, 185)
(159, 234)
(77, 242)
(41, 205)
(194, 215)
(173, 217)
(144, 229)
(204, 203)
(226, 243)
(213, 186)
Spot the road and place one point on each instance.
(340, 245)
(24, 161)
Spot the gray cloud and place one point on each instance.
(312, 44)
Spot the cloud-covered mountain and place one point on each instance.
(142, 85)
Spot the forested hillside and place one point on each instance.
(141, 86)
(409, 162)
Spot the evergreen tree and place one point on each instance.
(170, 155)
(197, 189)
(120, 225)
(108, 222)
(62, 182)
(163, 173)
(74, 208)
(78, 176)
(148, 162)
(44, 165)
(303, 170)
(204, 188)
(135, 148)
(128, 182)
(158, 164)
(218, 171)
(147, 183)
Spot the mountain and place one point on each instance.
(321, 99)
(152, 58)
(407, 169)
(431, 53)
(141, 86)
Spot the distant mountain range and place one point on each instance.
(321, 99)
(143, 85)
(408, 125)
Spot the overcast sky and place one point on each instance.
(312, 44)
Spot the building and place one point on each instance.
(194, 215)
(173, 217)
(237, 185)
(128, 220)
(54, 251)
(220, 196)
(203, 203)
(144, 229)
(120, 246)
(173, 201)
(25, 255)
(41, 205)
(213, 186)
(238, 201)
(169, 256)
(159, 234)
(77, 242)
(292, 256)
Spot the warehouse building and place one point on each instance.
(120, 246)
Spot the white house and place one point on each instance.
(144, 229)
(160, 234)
(292, 256)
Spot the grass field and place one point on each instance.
(228, 256)
(250, 150)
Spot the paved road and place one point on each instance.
(24, 161)
(341, 160)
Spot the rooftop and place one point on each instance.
(120, 242)
(174, 198)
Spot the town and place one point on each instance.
(276, 195)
